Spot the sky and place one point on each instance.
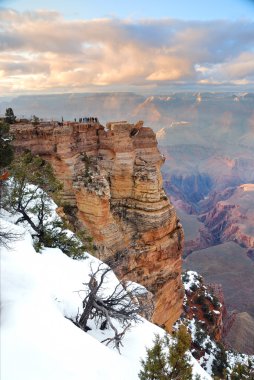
(54, 46)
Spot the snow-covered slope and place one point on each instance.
(38, 342)
(205, 346)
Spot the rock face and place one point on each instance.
(225, 215)
(112, 175)
(239, 332)
(232, 217)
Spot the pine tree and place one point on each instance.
(243, 371)
(154, 368)
(9, 116)
(6, 151)
(167, 361)
(6, 157)
(181, 368)
(220, 363)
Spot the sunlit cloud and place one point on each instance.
(42, 52)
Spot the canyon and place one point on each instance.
(112, 179)
(207, 141)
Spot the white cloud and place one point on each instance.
(41, 51)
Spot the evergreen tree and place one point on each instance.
(6, 151)
(6, 156)
(34, 205)
(220, 363)
(243, 371)
(181, 368)
(154, 368)
(167, 361)
(9, 116)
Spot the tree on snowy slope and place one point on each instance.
(220, 363)
(243, 371)
(156, 363)
(34, 204)
(7, 237)
(6, 156)
(168, 361)
(6, 151)
(121, 307)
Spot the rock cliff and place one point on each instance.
(231, 218)
(112, 177)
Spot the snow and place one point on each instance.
(207, 359)
(191, 279)
(210, 348)
(236, 357)
(136, 288)
(38, 292)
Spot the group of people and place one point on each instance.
(87, 120)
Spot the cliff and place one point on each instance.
(112, 178)
(230, 218)
(238, 332)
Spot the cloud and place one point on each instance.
(237, 70)
(41, 51)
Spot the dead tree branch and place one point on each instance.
(121, 305)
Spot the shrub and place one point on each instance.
(243, 371)
(209, 316)
(200, 299)
(56, 236)
(220, 363)
(215, 302)
(205, 308)
(194, 287)
(168, 361)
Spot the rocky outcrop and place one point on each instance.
(112, 175)
(224, 216)
(204, 303)
(231, 218)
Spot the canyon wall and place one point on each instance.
(112, 175)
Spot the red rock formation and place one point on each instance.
(217, 291)
(113, 177)
(205, 303)
(231, 218)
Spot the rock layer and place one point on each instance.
(112, 175)
(231, 218)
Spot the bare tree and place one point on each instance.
(121, 306)
(7, 237)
